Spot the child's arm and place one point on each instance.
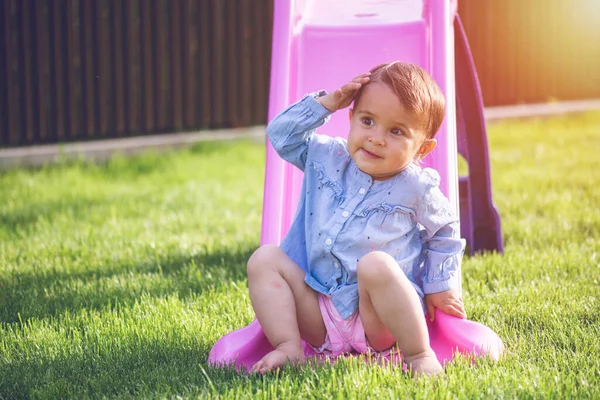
(443, 253)
(291, 130)
(443, 249)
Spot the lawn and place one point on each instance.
(116, 279)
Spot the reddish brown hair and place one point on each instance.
(416, 90)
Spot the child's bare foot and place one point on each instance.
(280, 356)
(425, 364)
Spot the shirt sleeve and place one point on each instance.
(443, 248)
(291, 130)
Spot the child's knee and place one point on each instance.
(376, 266)
(261, 257)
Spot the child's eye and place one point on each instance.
(397, 132)
(368, 121)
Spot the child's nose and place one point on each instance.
(378, 137)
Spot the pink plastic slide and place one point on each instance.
(321, 44)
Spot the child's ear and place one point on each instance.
(350, 113)
(426, 147)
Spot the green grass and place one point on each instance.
(117, 279)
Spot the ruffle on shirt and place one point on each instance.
(383, 207)
(338, 192)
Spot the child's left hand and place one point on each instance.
(449, 302)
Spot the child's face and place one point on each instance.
(385, 138)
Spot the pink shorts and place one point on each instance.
(343, 336)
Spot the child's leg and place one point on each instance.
(286, 307)
(391, 311)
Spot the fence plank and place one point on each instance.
(175, 82)
(190, 67)
(59, 78)
(526, 85)
(90, 68)
(117, 40)
(259, 83)
(14, 78)
(31, 82)
(245, 35)
(75, 92)
(206, 102)
(232, 64)
(265, 34)
(104, 55)
(133, 70)
(213, 49)
(148, 86)
(44, 69)
(209, 68)
(162, 63)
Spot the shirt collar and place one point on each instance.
(361, 178)
(366, 180)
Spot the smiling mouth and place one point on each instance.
(369, 154)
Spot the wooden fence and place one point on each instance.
(534, 51)
(90, 69)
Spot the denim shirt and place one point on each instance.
(343, 214)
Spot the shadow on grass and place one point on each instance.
(141, 368)
(24, 217)
(51, 292)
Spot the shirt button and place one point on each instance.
(362, 191)
(345, 214)
(328, 242)
(335, 264)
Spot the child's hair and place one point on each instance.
(416, 90)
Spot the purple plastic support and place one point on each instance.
(479, 219)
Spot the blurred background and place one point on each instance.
(73, 70)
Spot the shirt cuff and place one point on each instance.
(310, 101)
(440, 286)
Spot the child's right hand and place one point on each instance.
(344, 96)
(449, 302)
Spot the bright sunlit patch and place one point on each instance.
(587, 14)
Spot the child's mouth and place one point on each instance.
(369, 154)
